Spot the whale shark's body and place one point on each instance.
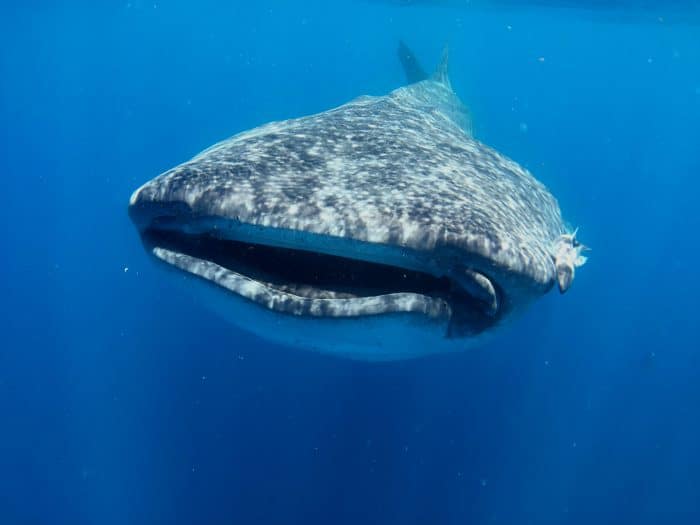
(377, 230)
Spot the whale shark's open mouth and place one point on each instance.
(299, 280)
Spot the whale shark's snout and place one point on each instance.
(377, 230)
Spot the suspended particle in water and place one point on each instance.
(523, 127)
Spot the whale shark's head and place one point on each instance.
(377, 230)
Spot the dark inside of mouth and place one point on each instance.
(318, 275)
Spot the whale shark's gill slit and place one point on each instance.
(314, 275)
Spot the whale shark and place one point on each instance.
(378, 230)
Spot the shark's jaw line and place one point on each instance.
(312, 278)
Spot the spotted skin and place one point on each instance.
(400, 171)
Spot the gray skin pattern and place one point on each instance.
(396, 179)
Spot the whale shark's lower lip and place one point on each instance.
(300, 281)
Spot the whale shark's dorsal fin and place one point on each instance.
(434, 91)
(415, 72)
(442, 72)
(411, 67)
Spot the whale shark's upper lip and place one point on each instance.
(299, 274)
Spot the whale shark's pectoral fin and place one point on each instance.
(567, 257)
(480, 287)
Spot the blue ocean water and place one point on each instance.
(122, 401)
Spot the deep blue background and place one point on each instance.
(121, 401)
